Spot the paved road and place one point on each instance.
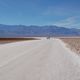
(38, 60)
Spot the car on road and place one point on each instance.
(48, 37)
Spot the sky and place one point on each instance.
(63, 13)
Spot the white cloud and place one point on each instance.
(69, 22)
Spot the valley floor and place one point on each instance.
(46, 59)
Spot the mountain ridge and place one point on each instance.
(35, 31)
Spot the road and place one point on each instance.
(38, 60)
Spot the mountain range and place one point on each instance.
(34, 31)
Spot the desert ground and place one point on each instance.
(42, 59)
(10, 40)
(73, 43)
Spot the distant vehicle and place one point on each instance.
(48, 37)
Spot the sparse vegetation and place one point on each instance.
(73, 43)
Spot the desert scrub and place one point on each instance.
(73, 43)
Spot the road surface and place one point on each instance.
(38, 60)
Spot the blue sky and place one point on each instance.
(64, 13)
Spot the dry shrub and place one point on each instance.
(73, 43)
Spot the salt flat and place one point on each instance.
(38, 60)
